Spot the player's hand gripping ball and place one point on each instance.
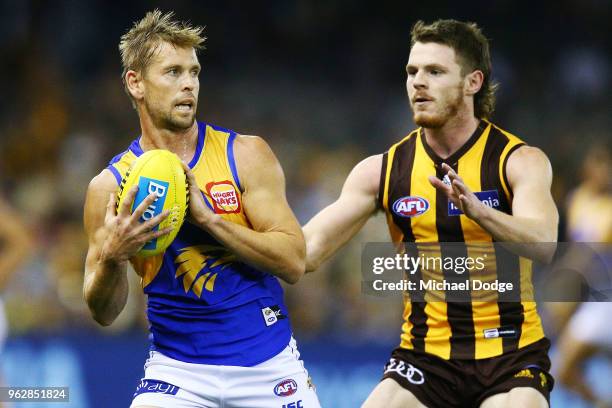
(159, 172)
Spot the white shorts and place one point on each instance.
(280, 382)
(590, 324)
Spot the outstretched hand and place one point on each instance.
(458, 192)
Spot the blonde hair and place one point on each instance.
(139, 45)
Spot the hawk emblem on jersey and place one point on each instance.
(224, 197)
(195, 264)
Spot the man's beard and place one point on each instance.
(438, 120)
(165, 120)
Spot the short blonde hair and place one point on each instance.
(139, 45)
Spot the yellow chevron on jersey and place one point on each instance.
(204, 305)
(215, 171)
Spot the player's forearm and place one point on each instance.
(522, 232)
(331, 229)
(280, 253)
(106, 290)
(320, 246)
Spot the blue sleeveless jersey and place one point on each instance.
(204, 306)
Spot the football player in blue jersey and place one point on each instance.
(220, 333)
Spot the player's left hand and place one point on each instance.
(459, 193)
(199, 213)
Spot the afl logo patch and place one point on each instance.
(224, 197)
(410, 206)
(286, 388)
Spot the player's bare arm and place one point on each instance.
(113, 237)
(16, 243)
(336, 224)
(534, 214)
(276, 243)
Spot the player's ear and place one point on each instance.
(134, 84)
(473, 82)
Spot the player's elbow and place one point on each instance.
(100, 316)
(101, 319)
(99, 313)
(294, 270)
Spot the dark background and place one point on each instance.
(323, 83)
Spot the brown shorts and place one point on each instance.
(467, 383)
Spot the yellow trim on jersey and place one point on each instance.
(424, 231)
(397, 236)
(485, 314)
(423, 226)
(512, 142)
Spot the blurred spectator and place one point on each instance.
(587, 332)
(15, 246)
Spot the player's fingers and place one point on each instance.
(156, 234)
(464, 200)
(452, 174)
(191, 181)
(448, 169)
(110, 206)
(153, 222)
(126, 205)
(459, 186)
(439, 184)
(142, 207)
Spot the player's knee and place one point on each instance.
(389, 394)
(525, 397)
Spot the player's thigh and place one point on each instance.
(524, 397)
(389, 394)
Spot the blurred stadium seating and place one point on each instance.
(324, 83)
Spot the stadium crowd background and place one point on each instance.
(322, 82)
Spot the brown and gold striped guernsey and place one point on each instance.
(455, 330)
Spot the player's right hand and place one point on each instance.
(125, 234)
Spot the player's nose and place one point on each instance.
(419, 80)
(189, 82)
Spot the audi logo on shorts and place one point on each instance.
(286, 388)
(406, 370)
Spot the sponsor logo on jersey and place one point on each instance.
(406, 370)
(272, 314)
(489, 198)
(296, 404)
(410, 206)
(286, 388)
(504, 331)
(148, 186)
(224, 197)
(526, 373)
(160, 387)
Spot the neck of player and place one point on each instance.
(181, 142)
(449, 138)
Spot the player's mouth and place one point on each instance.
(186, 105)
(421, 101)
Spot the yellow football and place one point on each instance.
(159, 172)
